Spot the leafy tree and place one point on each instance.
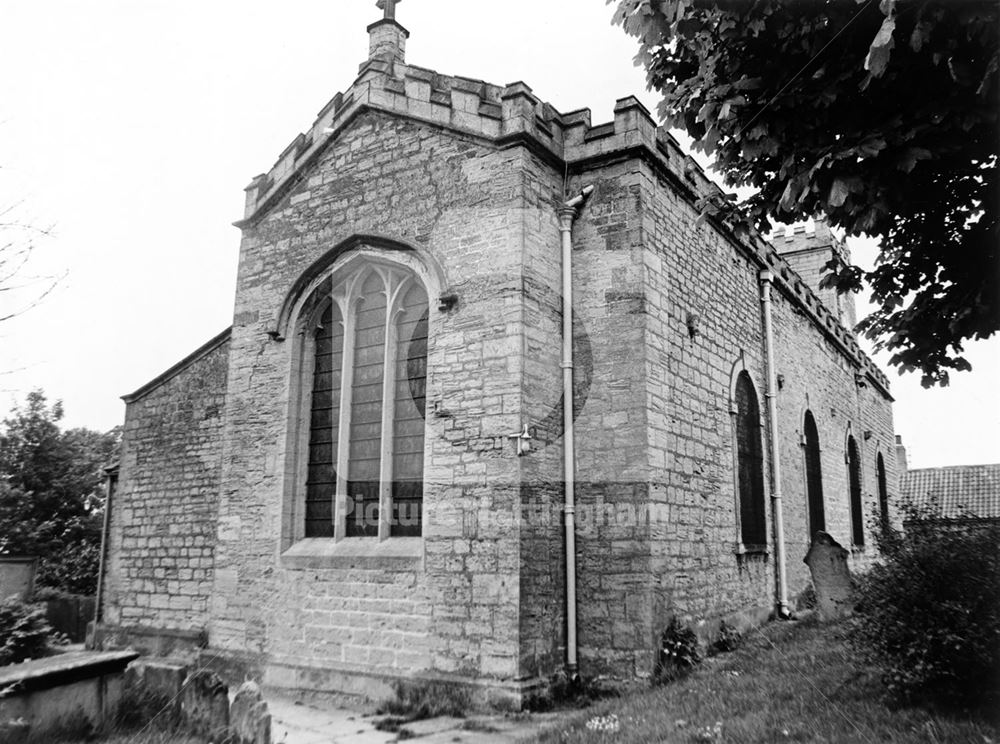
(24, 632)
(51, 499)
(882, 115)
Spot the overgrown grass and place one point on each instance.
(143, 718)
(794, 682)
(415, 701)
(419, 700)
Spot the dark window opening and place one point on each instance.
(854, 474)
(321, 481)
(750, 463)
(814, 477)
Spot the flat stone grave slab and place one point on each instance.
(57, 692)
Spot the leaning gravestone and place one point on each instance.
(249, 720)
(827, 560)
(205, 705)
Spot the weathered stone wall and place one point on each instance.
(695, 271)
(615, 576)
(461, 181)
(818, 378)
(809, 253)
(707, 322)
(541, 560)
(452, 607)
(162, 530)
(655, 482)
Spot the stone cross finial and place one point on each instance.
(389, 6)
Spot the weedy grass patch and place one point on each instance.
(787, 682)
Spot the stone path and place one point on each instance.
(294, 722)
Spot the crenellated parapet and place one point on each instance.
(797, 238)
(512, 116)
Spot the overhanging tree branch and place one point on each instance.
(888, 127)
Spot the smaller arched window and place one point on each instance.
(749, 464)
(854, 477)
(883, 493)
(814, 476)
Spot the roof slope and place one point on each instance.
(180, 366)
(955, 492)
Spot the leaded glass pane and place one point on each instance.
(364, 451)
(324, 416)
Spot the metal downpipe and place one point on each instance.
(781, 600)
(567, 215)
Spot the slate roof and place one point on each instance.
(955, 492)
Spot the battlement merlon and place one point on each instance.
(511, 116)
(798, 238)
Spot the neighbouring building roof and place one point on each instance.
(957, 492)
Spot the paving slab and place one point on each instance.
(299, 722)
(294, 722)
(499, 729)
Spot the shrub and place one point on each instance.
(929, 613)
(24, 632)
(72, 569)
(679, 652)
(728, 638)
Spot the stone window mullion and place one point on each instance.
(348, 301)
(394, 292)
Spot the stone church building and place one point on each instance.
(392, 465)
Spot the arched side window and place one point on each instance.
(749, 464)
(854, 478)
(367, 369)
(883, 492)
(814, 476)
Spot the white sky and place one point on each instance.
(131, 128)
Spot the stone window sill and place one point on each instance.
(741, 549)
(394, 554)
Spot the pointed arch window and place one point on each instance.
(883, 493)
(367, 404)
(814, 476)
(749, 464)
(854, 478)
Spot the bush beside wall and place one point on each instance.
(929, 613)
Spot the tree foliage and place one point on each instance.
(880, 115)
(51, 497)
(24, 631)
